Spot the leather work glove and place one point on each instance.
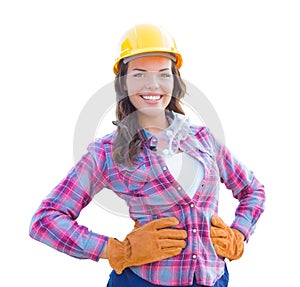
(148, 243)
(228, 242)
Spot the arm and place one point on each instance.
(244, 186)
(54, 223)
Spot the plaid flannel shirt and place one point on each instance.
(151, 192)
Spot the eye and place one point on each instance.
(165, 75)
(138, 75)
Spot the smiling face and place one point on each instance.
(149, 84)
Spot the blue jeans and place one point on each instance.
(129, 279)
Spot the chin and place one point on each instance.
(151, 112)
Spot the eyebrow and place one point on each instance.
(143, 70)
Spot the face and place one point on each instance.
(149, 84)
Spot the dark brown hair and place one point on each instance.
(129, 140)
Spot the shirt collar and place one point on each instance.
(179, 128)
(179, 132)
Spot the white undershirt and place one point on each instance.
(187, 171)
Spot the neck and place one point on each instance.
(153, 124)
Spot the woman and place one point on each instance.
(166, 170)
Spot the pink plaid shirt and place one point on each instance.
(151, 192)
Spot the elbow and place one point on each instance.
(33, 227)
(38, 225)
(40, 222)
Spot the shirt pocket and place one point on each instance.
(135, 178)
(212, 169)
(211, 180)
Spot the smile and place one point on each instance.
(151, 98)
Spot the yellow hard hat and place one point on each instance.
(150, 39)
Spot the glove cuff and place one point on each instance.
(116, 254)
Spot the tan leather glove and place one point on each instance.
(148, 243)
(228, 242)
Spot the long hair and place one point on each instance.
(129, 140)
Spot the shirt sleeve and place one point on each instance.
(244, 186)
(54, 223)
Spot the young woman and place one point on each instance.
(168, 172)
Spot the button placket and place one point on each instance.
(194, 233)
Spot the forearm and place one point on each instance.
(65, 235)
(244, 186)
(54, 223)
(251, 205)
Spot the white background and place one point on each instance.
(243, 55)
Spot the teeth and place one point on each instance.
(151, 98)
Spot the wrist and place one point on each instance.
(104, 254)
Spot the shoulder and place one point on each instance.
(201, 132)
(103, 144)
(107, 139)
(205, 139)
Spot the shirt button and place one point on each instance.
(165, 168)
(192, 205)
(178, 188)
(194, 256)
(194, 230)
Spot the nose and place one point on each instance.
(152, 82)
